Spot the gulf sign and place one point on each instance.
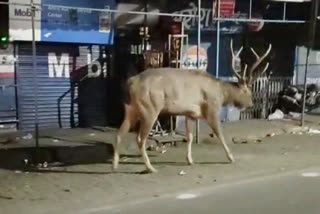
(190, 58)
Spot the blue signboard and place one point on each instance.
(76, 25)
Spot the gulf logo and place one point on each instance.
(190, 58)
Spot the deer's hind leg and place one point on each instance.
(130, 120)
(146, 124)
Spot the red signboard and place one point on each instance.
(226, 8)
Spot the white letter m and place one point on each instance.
(57, 68)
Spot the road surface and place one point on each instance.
(289, 193)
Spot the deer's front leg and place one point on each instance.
(214, 123)
(189, 141)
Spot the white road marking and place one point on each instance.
(310, 174)
(186, 196)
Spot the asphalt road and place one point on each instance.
(291, 193)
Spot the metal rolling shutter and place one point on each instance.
(49, 89)
(80, 60)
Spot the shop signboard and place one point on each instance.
(73, 23)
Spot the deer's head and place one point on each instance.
(243, 99)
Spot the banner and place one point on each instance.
(208, 12)
(58, 24)
(226, 8)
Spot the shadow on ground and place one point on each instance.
(21, 158)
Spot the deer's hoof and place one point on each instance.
(189, 161)
(231, 159)
(114, 168)
(147, 171)
(153, 170)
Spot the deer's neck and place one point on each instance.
(230, 93)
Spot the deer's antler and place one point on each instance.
(258, 62)
(236, 56)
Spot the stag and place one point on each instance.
(190, 93)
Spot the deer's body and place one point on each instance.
(182, 92)
(195, 94)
